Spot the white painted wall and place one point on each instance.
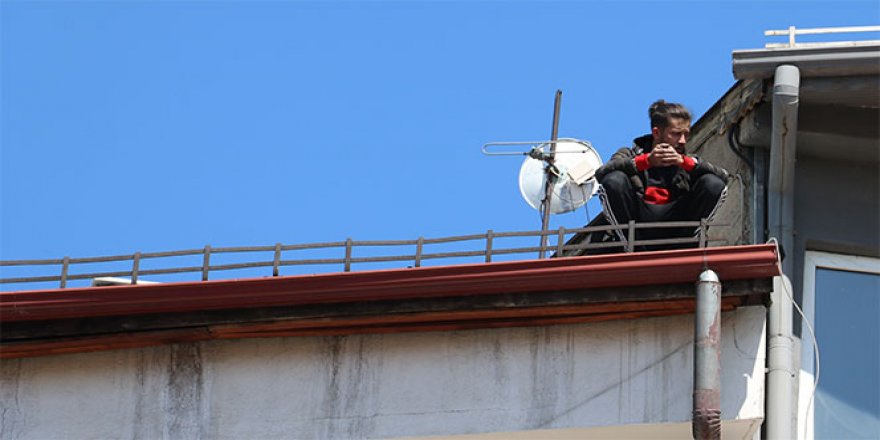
(418, 384)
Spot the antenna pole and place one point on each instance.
(551, 179)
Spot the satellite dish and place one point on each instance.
(574, 165)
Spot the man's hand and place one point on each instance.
(664, 155)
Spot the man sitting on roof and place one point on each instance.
(656, 180)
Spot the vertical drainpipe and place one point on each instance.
(707, 358)
(781, 385)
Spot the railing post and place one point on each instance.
(703, 232)
(631, 236)
(206, 262)
(560, 242)
(489, 236)
(276, 262)
(64, 266)
(135, 265)
(348, 255)
(419, 245)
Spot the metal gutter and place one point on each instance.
(781, 379)
(783, 155)
(707, 358)
(559, 274)
(812, 61)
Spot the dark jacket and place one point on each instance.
(674, 179)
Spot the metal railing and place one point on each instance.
(489, 249)
(792, 32)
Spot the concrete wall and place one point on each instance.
(737, 209)
(501, 380)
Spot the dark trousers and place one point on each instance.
(622, 204)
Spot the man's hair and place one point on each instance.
(660, 112)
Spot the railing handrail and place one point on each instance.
(792, 31)
(488, 251)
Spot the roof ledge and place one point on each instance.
(812, 61)
(492, 295)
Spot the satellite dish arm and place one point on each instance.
(486, 148)
(489, 148)
(552, 171)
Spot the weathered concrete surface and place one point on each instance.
(465, 382)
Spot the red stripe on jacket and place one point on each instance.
(656, 195)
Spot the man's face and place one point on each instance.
(675, 134)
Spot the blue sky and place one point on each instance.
(133, 125)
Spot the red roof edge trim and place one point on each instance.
(601, 271)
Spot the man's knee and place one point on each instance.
(711, 185)
(616, 182)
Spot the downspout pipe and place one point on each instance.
(781, 377)
(707, 358)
